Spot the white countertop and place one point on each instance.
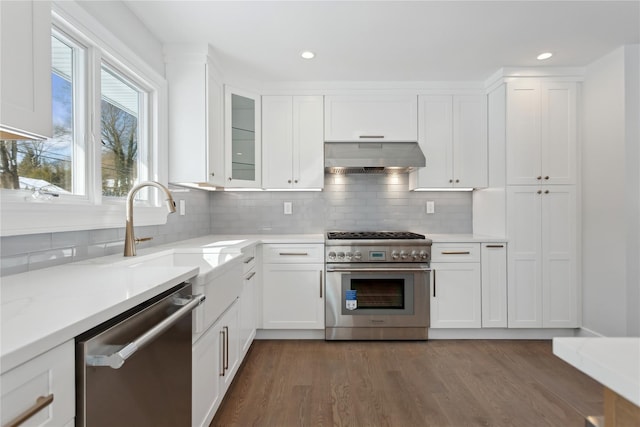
(44, 308)
(613, 362)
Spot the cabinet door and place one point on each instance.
(524, 257)
(494, 285)
(558, 139)
(523, 133)
(455, 295)
(293, 296)
(277, 137)
(215, 128)
(308, 142)
(231, 355)
(25, 74)
(559, 257)
(247, 315)
(470, 141)
(371, 118)
(243, 143)
(207, 369)
(435, 125)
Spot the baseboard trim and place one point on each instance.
(290, 334)
(500, 334)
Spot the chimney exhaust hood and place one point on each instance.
(372, 157)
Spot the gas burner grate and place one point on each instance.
(373, 235)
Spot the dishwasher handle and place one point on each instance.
(116, 359)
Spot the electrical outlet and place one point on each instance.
(431, 207)
(183, 207)
(288, 209)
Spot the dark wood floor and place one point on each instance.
(406, 384)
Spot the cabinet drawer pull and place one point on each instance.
(222, 347)
(320, 284)
(226, 348)
(294, 254)
(41, 403)
(372, 136)
(253, 273)
(495, 246)
(248, 260)
(456, 253)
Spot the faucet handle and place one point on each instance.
(143, 239)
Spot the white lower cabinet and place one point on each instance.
(494, 285)
(215, 361)
(293, 287)
(456, 285)
(46, 382)
(542, 266)
(248, 307)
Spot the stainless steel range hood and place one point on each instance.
(372, 157)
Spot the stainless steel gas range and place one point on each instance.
(377, 286)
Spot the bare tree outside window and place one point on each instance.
(119, 150)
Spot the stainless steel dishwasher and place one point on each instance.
(135, 370)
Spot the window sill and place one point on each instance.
(20, 217)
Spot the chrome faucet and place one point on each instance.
(129, 239)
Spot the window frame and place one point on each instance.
(21, 214)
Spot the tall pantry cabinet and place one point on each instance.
(541, 203)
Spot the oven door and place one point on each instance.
(386, 296)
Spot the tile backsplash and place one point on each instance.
(348, 202)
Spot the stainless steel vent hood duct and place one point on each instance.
(372, 157)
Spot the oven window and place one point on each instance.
(379, 293)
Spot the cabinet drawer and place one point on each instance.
(455, 252)
(248, 259)
(50, 374)
(293, 253)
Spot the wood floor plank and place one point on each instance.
(398, 384)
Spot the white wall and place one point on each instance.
(117, 18)
(609, 224)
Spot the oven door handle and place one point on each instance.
(377, 270)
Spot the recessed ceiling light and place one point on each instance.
(307, 54)
(544, 56)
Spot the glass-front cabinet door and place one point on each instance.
(242, 138)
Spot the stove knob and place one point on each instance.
(415, 255)
(404, 255)
(349, 255)
(340, 255)
(424, 255)
(332, 255)
(395, 255)
(357, 256)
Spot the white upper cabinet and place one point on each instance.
(541, 132)
(453, 137)
(243, 142)
(25, 74)
(359, 118)
(292, 137)
(196, 143)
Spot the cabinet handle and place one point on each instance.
(456, 252)
(539, 178)
(321, 284)
(229, 178)
(295, 181)
(253, 273)
(495, 246)
(226, 348)
(457, 180)
(294, 253)
(434, 283)
(213, 174)
(372, 136)
(289, 181)
(248, 260)
(450, 181)
(546, 177)
(222, 332)
(546, 191)
(41, 403)
(539, 191)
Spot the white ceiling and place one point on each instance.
(393, 40)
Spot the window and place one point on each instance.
(109, 116)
